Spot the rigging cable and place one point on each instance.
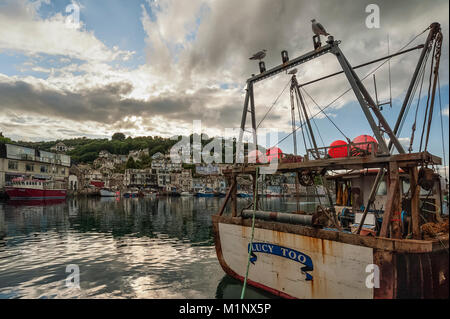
(314, 121)
(349, 89)
(276, 100)
(421, 74)
(326, 115)
(308, 132)
(304, 117)
(437, 44)
(427, 115)
(302, 123)
(390, 83)
(442, 132)
(413, 128)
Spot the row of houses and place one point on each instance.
(18, 161)
(163, 174)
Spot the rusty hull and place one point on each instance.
(408, 268)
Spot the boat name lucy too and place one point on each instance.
(283, 252)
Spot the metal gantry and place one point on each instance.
(365, 100)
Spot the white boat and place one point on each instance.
(104, 192)
(186, 194)
(205, 193)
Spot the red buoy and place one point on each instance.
(367, 145)
(337, 152)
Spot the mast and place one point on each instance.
(434, 29)
(305, 113)
(367, 103)
(294, 135)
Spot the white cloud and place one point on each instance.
(194, 47)
(445, 111)
(22, 30)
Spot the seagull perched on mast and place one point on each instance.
(259, 55)
(318, 29)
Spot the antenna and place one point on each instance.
(389, 66)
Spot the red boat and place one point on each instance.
(34, 189)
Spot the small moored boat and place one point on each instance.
(33, 189)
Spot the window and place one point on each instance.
(13, 165)
(63, 171)
(29, 167)
(44, 169)
(19, 152)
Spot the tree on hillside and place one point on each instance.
(5, 140)
(131, 164)
(118, 137)
(145, 161)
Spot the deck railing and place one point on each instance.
(352, 150)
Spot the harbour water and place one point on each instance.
(123, 248)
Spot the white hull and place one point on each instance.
(338, 269)
(107, 193)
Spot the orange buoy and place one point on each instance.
(367, 145)
(338, 149)
(274, 152)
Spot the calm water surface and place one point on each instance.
(124, 248)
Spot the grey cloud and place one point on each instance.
(235, 29)
(227, 36)
(105, 105)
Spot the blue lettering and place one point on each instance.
(283, 252)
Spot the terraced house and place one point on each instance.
(18, 161)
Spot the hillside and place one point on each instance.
(86, 150)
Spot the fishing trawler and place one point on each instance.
(384, 236)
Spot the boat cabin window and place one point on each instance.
(382, 190)
(423, 192)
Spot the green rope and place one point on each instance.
(255, 199)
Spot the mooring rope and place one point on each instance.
(255, 198)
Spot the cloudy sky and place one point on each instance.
(151, 67)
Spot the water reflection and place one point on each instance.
(125, 248)
(230, 288)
